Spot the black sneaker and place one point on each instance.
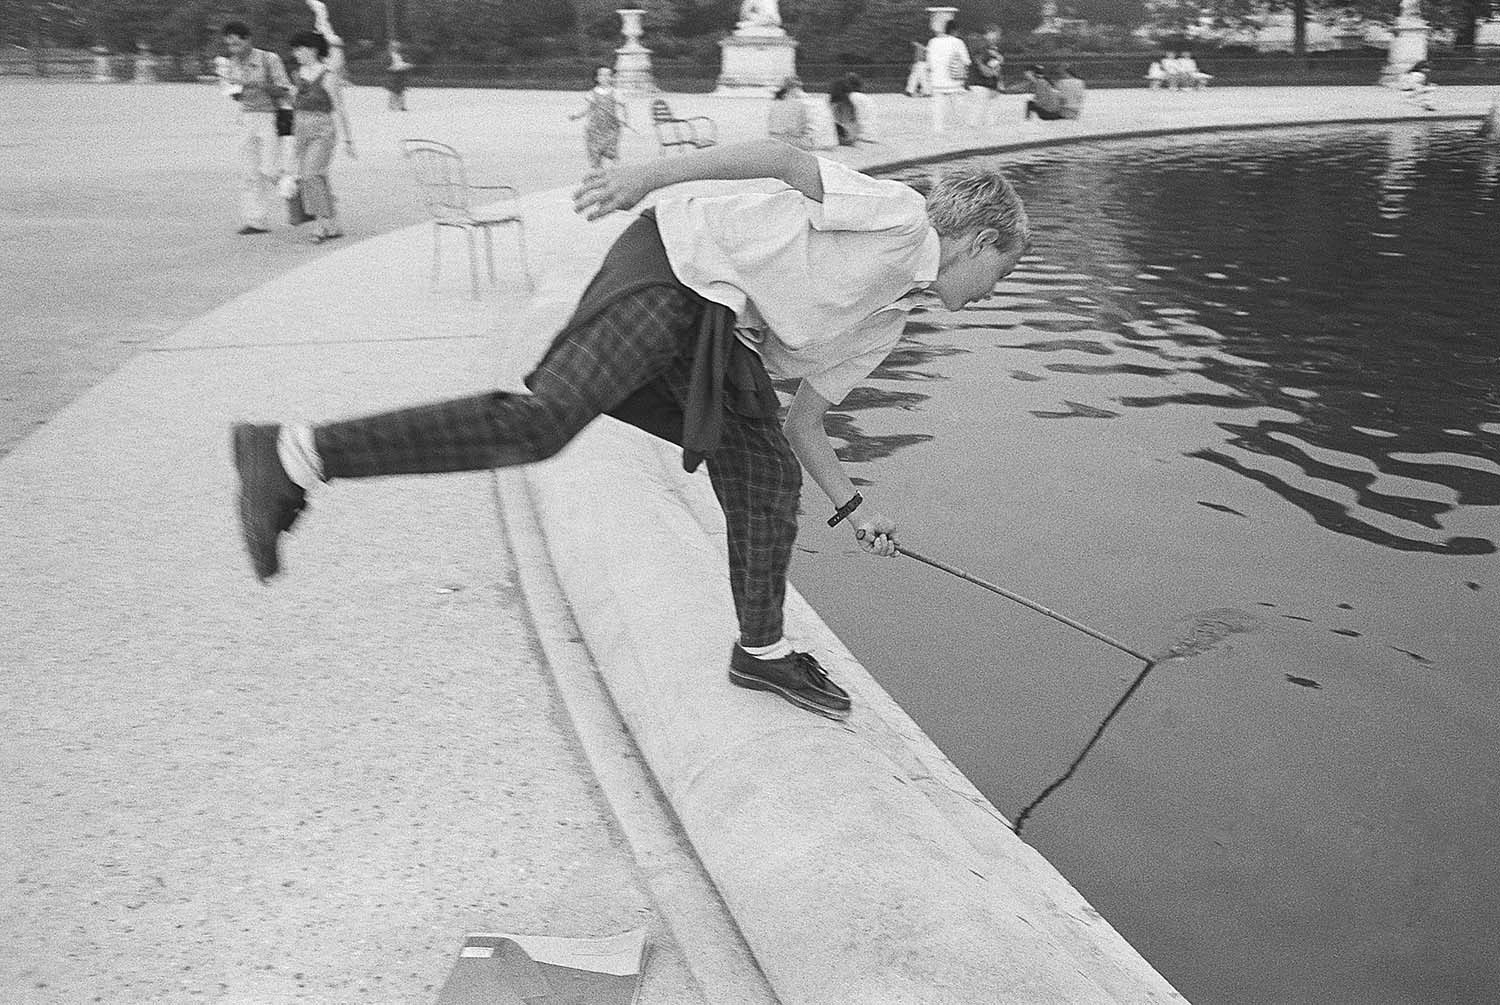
(798, 678)
(269, 500)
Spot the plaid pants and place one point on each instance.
(639, 348)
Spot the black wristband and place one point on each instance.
(844, 510)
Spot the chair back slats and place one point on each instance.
(675, 133)
(441, 180)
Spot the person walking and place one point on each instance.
(846, 124)
(948, 64)
(323, 26)
(697, 306)
(991, 80)
(917, 85)
(256, 78)
(787, 119)
(397, 70)
(319, 122)
(865, 115)
(603, 113)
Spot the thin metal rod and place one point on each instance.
(1024, 602)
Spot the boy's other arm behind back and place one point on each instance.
(624, 186)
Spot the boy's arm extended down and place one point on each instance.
(622, 187)
(808, 436)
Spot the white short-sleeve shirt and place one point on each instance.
(818, 288)
(941, 52)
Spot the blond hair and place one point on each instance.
(969, 199)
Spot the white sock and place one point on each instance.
(774, 651)
(294, 446)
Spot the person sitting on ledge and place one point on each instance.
(697, 305)
(1187, 70)
(1070, 92)
(1045, 102)
(1416, 86)
(1156, 74)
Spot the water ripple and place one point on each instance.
(1357, 300)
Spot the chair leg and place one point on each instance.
(489, 253)
(437, 253)
(521, 250)
(473, 263)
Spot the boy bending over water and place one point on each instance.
(696, 306)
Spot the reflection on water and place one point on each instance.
(1326, 303)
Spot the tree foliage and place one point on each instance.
(851, 31)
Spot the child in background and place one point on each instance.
(397, 69)
(603, 115)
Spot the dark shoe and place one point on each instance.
(247, 229)
(798, 678)
(269, 500)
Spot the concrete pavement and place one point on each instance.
(474, 702)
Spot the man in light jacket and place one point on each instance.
(256, 79)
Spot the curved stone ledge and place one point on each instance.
(858, 863)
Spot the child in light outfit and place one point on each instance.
(696, 306)
(603, 113)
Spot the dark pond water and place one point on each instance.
(1242, 403)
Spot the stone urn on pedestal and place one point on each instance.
(1408, 42)
(938, 18)
(759, 55)
(633, 60)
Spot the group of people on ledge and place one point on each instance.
(1176, 71)
(955, 73)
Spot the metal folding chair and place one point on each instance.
(672, 133)
(446, 192)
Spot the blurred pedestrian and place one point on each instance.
(948, 64)
(1070, 92)
(603, 114)
(397, 70)
(864, 109)
(1156, 73)
(1416, 86)
(320, 126)
(990, 67)
(787, 119)
(257, 80)
(323, 26)
(1172, 66)
(1045, 102)
(1187, 69)
(846, 124)
(917, 84)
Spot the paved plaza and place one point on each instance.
(221, 791)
